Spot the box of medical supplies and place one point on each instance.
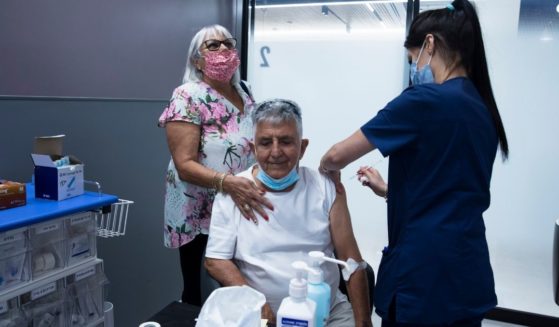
(14, 258)
(57, 177)
(12, 194)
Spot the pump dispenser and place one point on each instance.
(349, 267)
(297, 309)
(318, 290)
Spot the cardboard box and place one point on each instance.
(12, 194)
(51, 181)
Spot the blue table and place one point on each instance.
(39, 210)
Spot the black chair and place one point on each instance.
(207, 283)
(556, 263)
(370, 280)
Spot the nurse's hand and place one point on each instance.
(336, 177)
(267, 313)
(369, 176)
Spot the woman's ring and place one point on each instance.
(246, 206)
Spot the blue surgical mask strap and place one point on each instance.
(423, 75)
(420, 52)
(278, 184)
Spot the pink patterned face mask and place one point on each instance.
(221, 65)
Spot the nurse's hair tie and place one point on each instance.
(450, 7)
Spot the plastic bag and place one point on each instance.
(233, 306)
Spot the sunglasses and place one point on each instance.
(214, 45)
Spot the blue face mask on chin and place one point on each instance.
(424, 75)
(278, 184)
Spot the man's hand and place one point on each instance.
(267, 313)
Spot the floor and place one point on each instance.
(485, 323)
(493, 323)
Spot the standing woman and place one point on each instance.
(208, 130)
(442, 135)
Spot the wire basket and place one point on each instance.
(113, 223)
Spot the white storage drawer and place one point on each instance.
(14, 258)
(80, 238)
(47, 248)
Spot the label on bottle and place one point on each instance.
(293, 322)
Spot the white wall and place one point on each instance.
(339, 85)
(342, 80)
(524, 189)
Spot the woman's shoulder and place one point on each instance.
(420, 96)
(192, 89)
(435, 90)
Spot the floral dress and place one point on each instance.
(225, 134)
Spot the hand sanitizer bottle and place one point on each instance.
(318, 290)
(297, 309)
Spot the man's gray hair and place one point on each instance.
(191, 72)
(277, 111)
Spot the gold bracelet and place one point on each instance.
(220, 183)
(214, 180)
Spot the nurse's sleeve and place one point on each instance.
(223, 230)
(397, 125)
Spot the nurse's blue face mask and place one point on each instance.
(423, 75)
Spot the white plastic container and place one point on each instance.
(297, 309)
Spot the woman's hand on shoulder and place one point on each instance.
(247, 196)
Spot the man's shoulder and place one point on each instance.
(313, 177)
(247, 173)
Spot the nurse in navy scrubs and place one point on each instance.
(442, 135)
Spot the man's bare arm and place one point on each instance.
(225, 272)
(346, 247)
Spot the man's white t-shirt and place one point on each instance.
(263, 253)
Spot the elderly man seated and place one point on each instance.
(308, 215)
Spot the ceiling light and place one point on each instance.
(546, 34)
(557, 8)
(337, 3)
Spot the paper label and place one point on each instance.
(84, 273)
(80, 219)
(11, 238)
(48, 228)
(70, 181)
(42, 291)
(293, 322)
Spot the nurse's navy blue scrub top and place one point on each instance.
(442, 144)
